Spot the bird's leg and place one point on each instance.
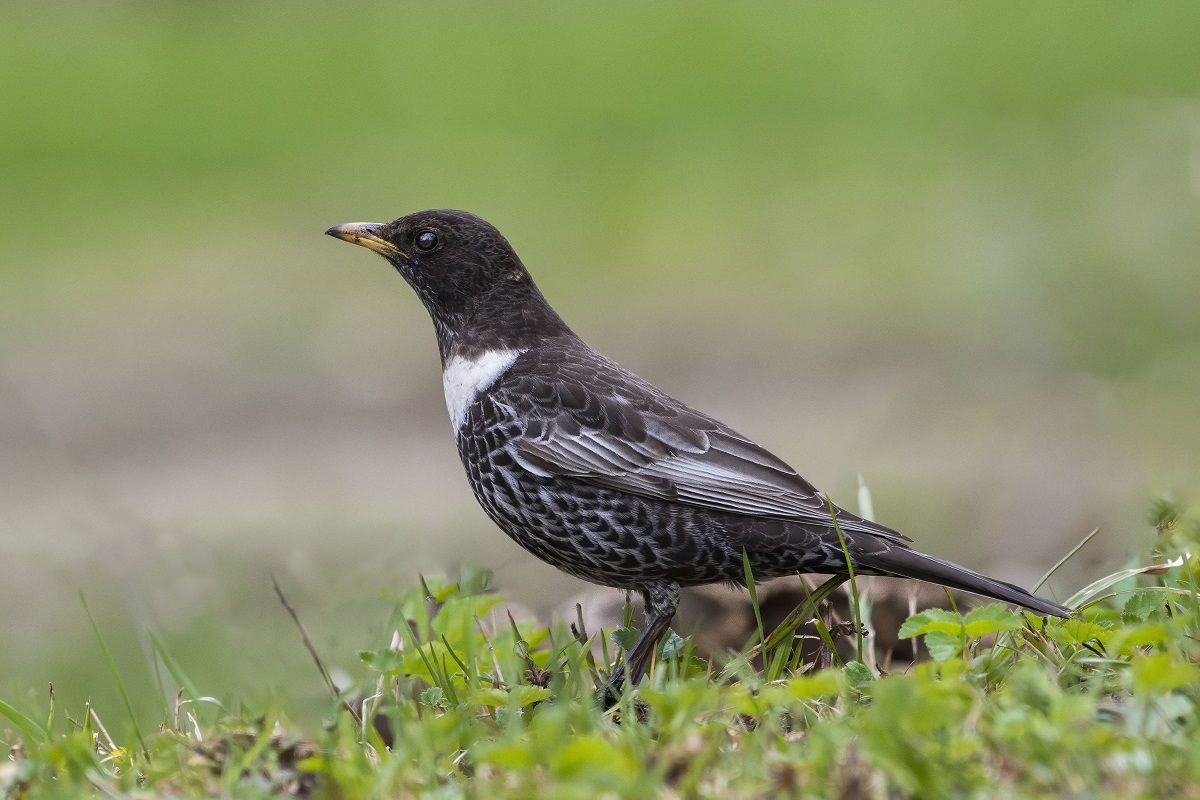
(660, 601)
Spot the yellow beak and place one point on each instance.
(366, 235)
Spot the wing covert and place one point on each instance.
(588, 418)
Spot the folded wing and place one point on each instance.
(587, 418)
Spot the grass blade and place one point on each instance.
(112, 668)
(855, 608)
(1070, 554)
(177, 674)
(866, 510)
(866, 506)
(753, 595)
(312, 651)
(1096, 587)
(803, 612)
(27, 726)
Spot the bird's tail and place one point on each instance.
(899, 561)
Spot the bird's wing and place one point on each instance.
(586, 417)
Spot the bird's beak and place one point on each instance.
(366, 235)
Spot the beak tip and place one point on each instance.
(346, 232)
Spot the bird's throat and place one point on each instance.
(465, 377)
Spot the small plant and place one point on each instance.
(465, 701)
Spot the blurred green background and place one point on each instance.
(951, 247)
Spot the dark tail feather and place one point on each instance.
(904, 563)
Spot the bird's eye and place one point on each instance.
(426, 241)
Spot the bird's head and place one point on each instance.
(452, 259)
(465, 272)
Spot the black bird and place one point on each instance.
(598, 472)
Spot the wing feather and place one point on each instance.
(587, 418)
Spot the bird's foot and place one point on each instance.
(608, 697)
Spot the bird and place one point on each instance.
(598, 472)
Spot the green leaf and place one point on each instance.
(991, 618)
(526, 695)
(1078, 631)
(672, 647)
(511, 755)
(490, 696)
(826, 683)
(456, 618)
(858, 675)
(1144, 635)
(1141, 605)
(441, 588)
(433, 696)
(519, 696)
(932, 620)
(592, 755)
(624, 638)
(475, 581)
(943, 646)
(1162, 673)
(387, 660)
(744, 699)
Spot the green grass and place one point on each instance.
(468, 702)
